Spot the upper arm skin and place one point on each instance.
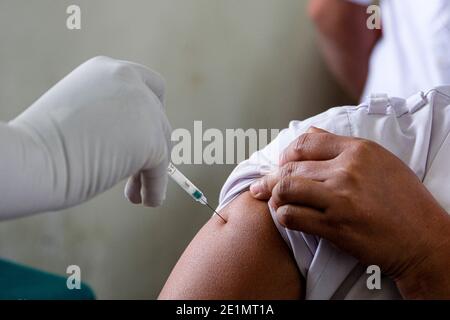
(245, 258)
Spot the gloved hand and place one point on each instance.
(102, 123)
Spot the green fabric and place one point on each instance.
(21, 282)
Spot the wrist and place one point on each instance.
(428, 276)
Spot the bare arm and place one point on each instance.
(245, 258)
(345, 41)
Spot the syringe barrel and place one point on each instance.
(186, 184)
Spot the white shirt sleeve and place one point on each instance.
(403, 127)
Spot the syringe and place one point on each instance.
(189, 187)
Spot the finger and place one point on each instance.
(152, 79)
(300, 191)
(155, 82)
(303, 219)
(154, 185)
(133, 189)
(314, 146)
(313, 170)
(262, 188)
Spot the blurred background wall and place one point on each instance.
(230, 63)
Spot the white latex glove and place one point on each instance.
(102, 123)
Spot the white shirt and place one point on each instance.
(416, 130)
(414, 52)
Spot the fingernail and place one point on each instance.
(256, 188)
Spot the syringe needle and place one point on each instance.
(216, 212)
(190, 188)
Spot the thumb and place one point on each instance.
(154, 185)
(148, 187)
(133, 189)
(151, 186)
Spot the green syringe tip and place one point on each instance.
(197, 195)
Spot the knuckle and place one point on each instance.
(109, 68)
(347, 174)
(362, 147)
(286, 216)
(102, 63)
(287, 170)
(284, 187)
(344, 199)
(122, 69)
(303, 169)
(100, 59)
(302, 142)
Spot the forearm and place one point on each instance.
(28, 178)
(429, 277)
(345, 41)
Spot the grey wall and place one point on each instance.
(230, 63)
